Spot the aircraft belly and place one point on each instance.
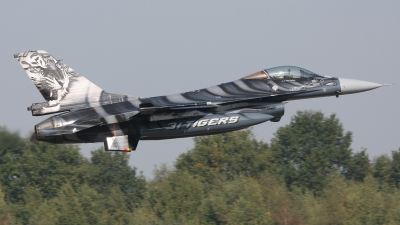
(209, 124)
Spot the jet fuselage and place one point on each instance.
(87, 114)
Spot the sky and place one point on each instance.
(151, 48)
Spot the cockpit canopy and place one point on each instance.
(282, 72)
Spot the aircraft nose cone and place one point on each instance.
(350, 86)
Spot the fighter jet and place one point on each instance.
(85, 113)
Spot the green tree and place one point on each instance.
(108, 170)
(232, 154)
(117, 211)
(46, 167)
(6, 216)
(9, 142)
(382, 167)
(12, 147)
(387, 170)
(69, 210)
(309, 149)
(176, 197)
(93, 204)
(279, 201)
(358, 167)
(237, 202)
(46, 214)
(395, 173)
(364, 203)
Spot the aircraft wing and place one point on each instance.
(69, 129)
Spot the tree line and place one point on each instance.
(307, 174)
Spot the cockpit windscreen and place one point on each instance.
(283, 73)
(289, 72)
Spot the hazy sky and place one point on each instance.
(149, 48)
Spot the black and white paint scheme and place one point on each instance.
(62, 87)
(85, 113)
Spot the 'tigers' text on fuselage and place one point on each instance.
(204, 122)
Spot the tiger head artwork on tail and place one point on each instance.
(62, 87)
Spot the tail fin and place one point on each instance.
(62, 87)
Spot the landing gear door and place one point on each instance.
(124, 143)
